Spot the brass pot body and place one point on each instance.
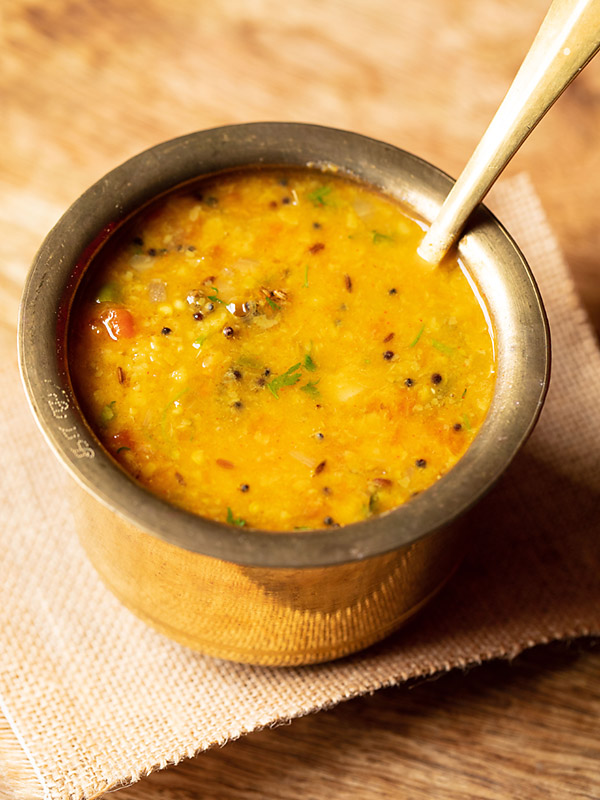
(263, 615)
(256, 596)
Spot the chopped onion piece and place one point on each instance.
(242, 264)
(346, 392)
(141, 262)
(304, 459)
(362, 207)
(264, 322)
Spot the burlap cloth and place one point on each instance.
(95, 699)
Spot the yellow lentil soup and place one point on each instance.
(267, 349)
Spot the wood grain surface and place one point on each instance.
(86, 84)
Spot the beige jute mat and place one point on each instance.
(95, 699)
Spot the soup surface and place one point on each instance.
(267, 349)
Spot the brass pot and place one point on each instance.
(252, 595)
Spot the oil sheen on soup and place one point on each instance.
(266, 349)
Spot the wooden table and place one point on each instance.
(85, 85)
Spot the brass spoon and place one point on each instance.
(567, 40)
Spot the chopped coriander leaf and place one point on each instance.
(443, 348)
(464, 394)
(311, 388)
(318, 197)
(466, 423)
(120, 450)
(289, 378)
(309, 364)
(273, 304)
(197, 343)
(418, 336)
(213, 297)
(378, 237)
(234, 520)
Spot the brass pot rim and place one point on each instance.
(493, 259)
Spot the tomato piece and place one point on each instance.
(118, 323)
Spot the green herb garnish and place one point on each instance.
(214, 297)
(378, 238)
(373, 500)
(305, 284)
(418, 336)
(234, 520)
(273, 304)
(466, 423)
(123, 448)
(108, 413)
(443, 348)
(197, 343)
(464, 394)
(311, 388)
(289, 378)
(245, 360)
(109, 293)
(317, 198)
(309, 364)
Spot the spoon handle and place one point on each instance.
(567, 39)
